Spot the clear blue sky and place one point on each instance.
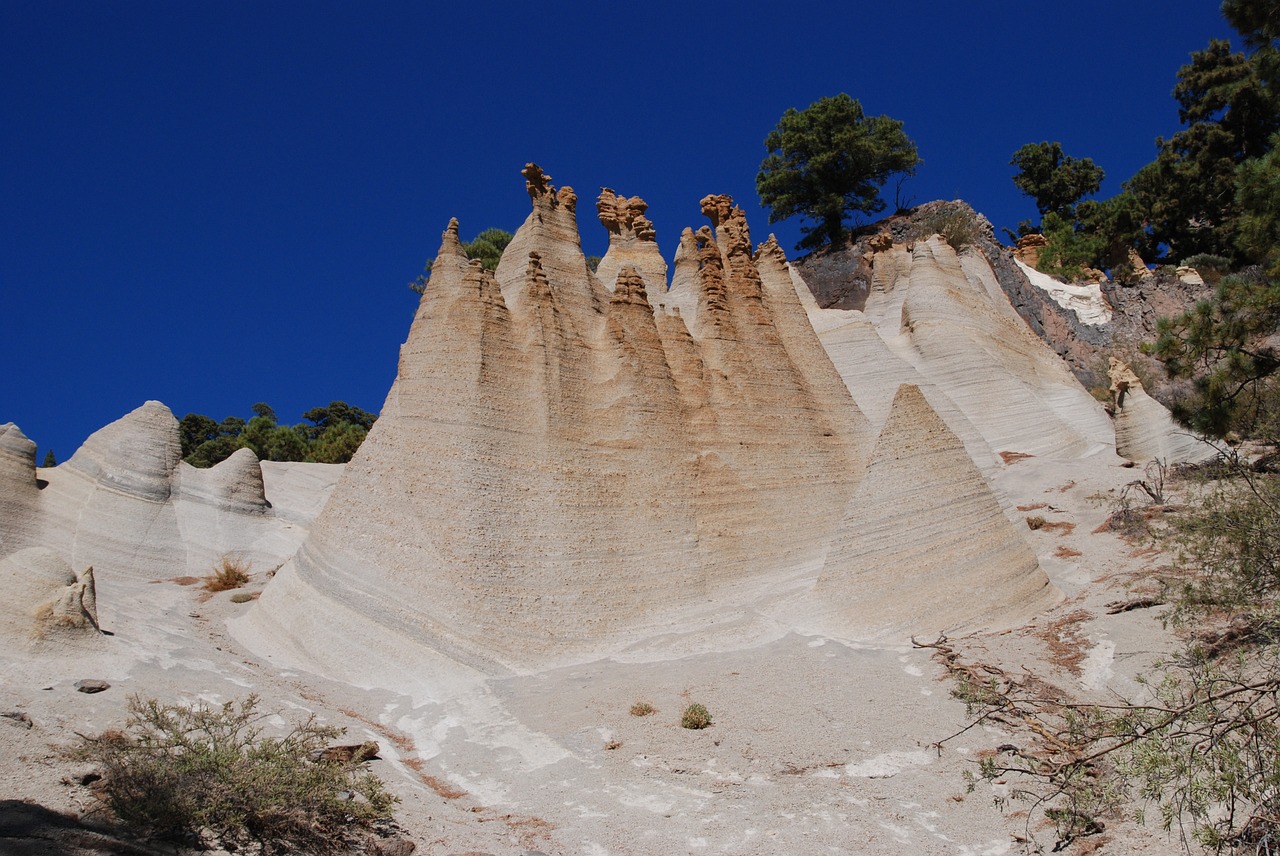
(218, 203)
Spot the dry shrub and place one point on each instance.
(1035, 522)
(230, 573)
(206, 774)
(643, 708)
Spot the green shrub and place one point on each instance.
(1211, 267)
(695, 716)
(207, 775)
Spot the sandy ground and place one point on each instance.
(818, 745)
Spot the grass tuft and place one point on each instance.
(229, 573)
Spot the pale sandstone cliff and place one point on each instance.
(128, 506)
(570, 462)
(565, 465)
(572, 466)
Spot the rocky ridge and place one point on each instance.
(842, 279)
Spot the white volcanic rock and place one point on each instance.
(19, 492)
(127, 505)
(1144, 429)
(135, 455)
(923, 547)
(44, 599)
(943, 318)
(588, 469)
(1084, 299)
(110, 505)
(233, 486)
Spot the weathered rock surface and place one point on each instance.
(44, 599)
(127, 506)
(971, 570)
(632, 241)
(19, 491)
(588, 466)
(599, 468)
(1144, 429)
(565, 465)
(1085, 323)
(1029, 248)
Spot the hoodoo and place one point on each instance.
(567, 463)
(561, 465)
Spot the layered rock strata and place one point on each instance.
(944, 320)
(972, 569)
(1145, 430)
(559, 466)
(126, 504)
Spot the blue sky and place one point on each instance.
(218, 203)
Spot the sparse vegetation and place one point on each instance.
(695, 717)
(208, 776)
(230, 573)
(953, 222)
(643, 708)
(1203, 746)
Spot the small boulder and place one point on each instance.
(91, 685)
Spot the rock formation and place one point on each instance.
(19, 491)
(44, 600)
(570, 461)
(632, 241)
(971, 570)
(946, 316)
(589, 468)
(1083, 323)
(1029, 249)
(127, 505)
(565, 464)
(1144, 429)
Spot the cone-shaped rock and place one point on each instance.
(559, 470)
(234, 485)
(924, 547)
(632, 242)
(1145, 430)
(135, 455)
